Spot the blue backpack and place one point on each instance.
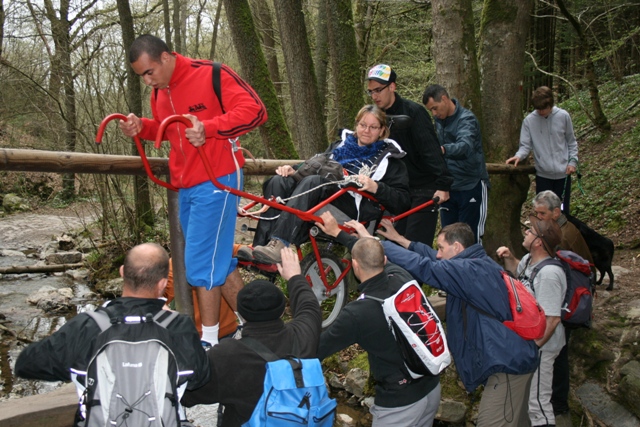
(294, 392)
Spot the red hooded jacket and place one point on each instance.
(190, 91)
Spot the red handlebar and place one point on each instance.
(143, 155)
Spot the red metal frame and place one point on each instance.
(143, 155)
(307, 216)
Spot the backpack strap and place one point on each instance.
(259, 348)
(215, 77)
(269, 356)
(164, 317)
(380, 300)
(101, 318)
(540, 266)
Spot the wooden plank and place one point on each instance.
(55, 409)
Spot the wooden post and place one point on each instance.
(184, 301)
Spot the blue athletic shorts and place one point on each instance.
(208, 219)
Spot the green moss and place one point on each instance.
(450, 384)
(332, 363)
(360, 361)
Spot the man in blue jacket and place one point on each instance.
(485, 351)
(461, 143)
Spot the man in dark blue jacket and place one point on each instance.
(485, 351)
(459, 134)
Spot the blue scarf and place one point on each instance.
(353, 157)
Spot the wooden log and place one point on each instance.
(21, 269)
(65, 162)
(55, 409)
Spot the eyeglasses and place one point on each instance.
(377, 90)
(530, 230)
(371, 128)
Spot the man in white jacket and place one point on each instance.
(548, 131)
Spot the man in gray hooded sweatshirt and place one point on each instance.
(549, 132)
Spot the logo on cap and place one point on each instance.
(380, 72)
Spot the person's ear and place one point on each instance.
(161, 286)
(457, 246)
(385, 260)
(556, 213)
(122, 271)
(164, 57)
(392, 86)
(355, 266)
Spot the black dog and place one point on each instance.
(601, 249)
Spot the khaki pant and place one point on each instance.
(505, 401)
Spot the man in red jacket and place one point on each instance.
(207, 215)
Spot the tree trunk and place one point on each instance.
(503, 33)
(542, 45)
(177, 28)
(166, 15)
(1, 25)
(142, 197)
(345, 67)
(267, 31)
(275, 134)
(307, 110)
(201, 5)
(61, 35)
(454, 52)
(321, 61)
(214, 36)
(600, 121)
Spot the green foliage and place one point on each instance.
(609, 168)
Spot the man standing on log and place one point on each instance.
(208, 216)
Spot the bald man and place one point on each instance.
(145, 273)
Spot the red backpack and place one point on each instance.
(529, 320)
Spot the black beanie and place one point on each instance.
(260, 301)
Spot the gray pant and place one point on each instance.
(505, 401)
(540, 408)
(418, 414)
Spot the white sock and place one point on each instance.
(210, 334)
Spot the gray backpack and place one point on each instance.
(132, 377)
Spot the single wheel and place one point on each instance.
(331, 301)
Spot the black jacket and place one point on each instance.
(425, 163)
(69, 347)
(237, 372)
(363, 322)
(393, 186)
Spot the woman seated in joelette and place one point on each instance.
(367, 146)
